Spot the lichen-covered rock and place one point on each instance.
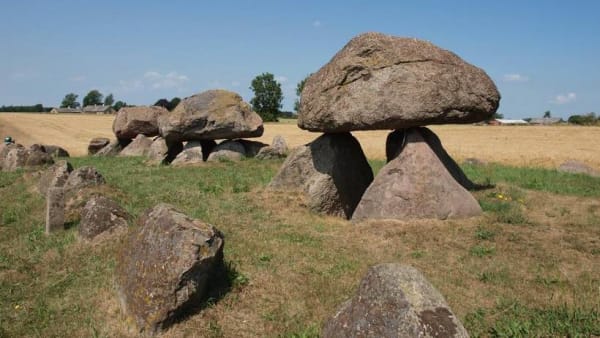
(210, 115)
(227, 150)
(165, 265)
(133, 121)
(379, 81)
(55, 176)
(394, 301)
(332, 171)
(99, 215)
(140, 146)
(96, 144)
(83, 177)
(415, 184)
(18, 157)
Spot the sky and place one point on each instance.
(542, 55)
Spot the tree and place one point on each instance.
(498, 116)
(70, 101)
(299, 89)
(547, 114)
(162, 103)
(92, 98)
(174, 102)
(109, 100)
(118, 105)
(267, 96)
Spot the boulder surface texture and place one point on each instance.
(55, 176)
(101, 214)
(132, 121)
(416, 184)
(332, 171)
(379, 81)
(210, 115)
(96, 144)
(394, 301)
(165, 266)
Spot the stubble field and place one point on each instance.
(532, 146)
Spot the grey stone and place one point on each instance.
(101, 215)
(111, 149)
(83, 177)
(140, 146)
(394, 301)
(576, 167)
(55, 176)
(227, 150)
(133, 121)
(251, 148)
(165, 266)
(159, 151)
(55, 151)
(379, 81)
(332, 171)
(96, 144)
(189, 156)
(415, 184)
(210, 115)
(55, 210)
(18, 157)
(277, 149)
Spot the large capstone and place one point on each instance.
(210, 115)
(379, 81)
(332, 171)
(394, 301)
(132, 121)
(165, 265)
(416, 184)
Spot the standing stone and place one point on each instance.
(55, 177)
(55, 210)
(210, 115)
(111, 149)
(159, 151)
(140, 146)
(332, 171)
(96, 144)
(189, 156)
(133, 121)
(227, 150)
(19, 157)
(165, 266)
(415, 184)
(277, 149)
(394, 301)
(379, 81)
(99, 215)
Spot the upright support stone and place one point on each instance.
(55, 210)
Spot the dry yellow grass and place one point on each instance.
(541, 146)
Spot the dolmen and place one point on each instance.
(187, 135)
(381, 82)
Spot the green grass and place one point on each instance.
(293, 268)
(536, 179)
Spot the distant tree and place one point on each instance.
(94, 97)
(584, 120)
(162, 103)
(118, 105)
(267, 96)
(38, 108)
(70, 101)
(527, 119)
(109, 100)
(547, 114)
(174, 102)
(498, 116)
(299, 89)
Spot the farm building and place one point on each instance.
(545, 120)
(65, 111)
(507, 122)
(98, 110)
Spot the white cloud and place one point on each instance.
(564, 98)
(515, 77)
(281, 79)
(170, 80)
(316, 24)
(155, 80)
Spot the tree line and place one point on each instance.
(93, 98)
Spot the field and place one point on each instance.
(536, 146)
(528, 267)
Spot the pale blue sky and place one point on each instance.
(543, 55)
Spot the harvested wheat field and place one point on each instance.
(537, 146)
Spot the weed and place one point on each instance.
(417, 254)
(484, 234)
(482, 251)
